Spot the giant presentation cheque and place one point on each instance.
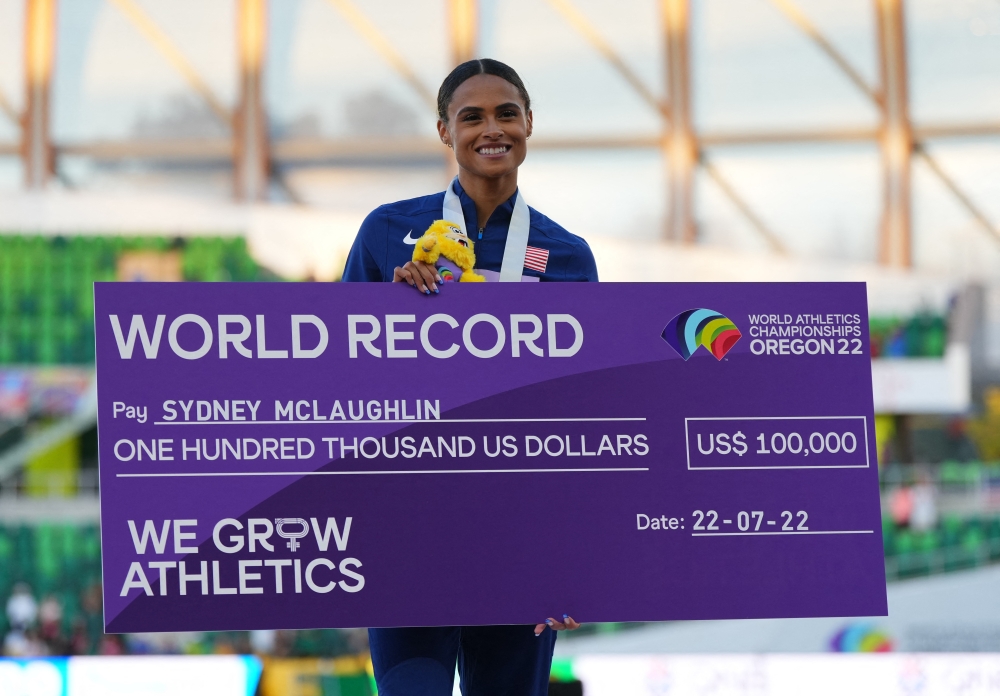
(333, 455)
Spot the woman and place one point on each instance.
(485, 117)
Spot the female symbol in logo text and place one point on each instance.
(292, 537)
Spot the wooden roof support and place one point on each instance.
(773, 242)
(799, 19)
(378, 41)
(588, 31)
(679, 143)
(975, 211)
(166, 48)
(39, 54)
(8, 108)
(898, 137)
(251, 155)
(463, 21)
(895, 239)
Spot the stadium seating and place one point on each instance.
(920, 336)
(956, 541)
(57, 560)
(46, 295)
(46, 318)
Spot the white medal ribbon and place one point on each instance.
(517, 234)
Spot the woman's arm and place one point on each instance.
(363, 266)
(584, 261)
(362, 263)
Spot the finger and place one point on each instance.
(555, 625)
(571, 625)
(431, 268)
(428, 273)
(538, 629)
(418, 279)
(401, 275)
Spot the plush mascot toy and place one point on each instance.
(445, 247)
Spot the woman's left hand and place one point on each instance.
(567, 624)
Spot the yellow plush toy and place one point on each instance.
(444, 242)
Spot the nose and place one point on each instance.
(493, 129)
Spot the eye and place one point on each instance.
(508, 113)
(471, 117)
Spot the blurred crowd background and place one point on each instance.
(687, 140)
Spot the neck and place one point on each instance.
(487, 192)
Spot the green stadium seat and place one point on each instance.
(927, 542)
(951, 530)
(973, 539)
(46, 287)
(974, 473)
(889, 536)
(904, 542)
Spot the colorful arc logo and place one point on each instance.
(861, 638)
(701, 327)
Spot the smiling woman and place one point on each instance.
(485, 116)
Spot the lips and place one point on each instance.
(492, 150)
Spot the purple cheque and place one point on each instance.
(337, 455)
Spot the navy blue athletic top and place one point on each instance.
(387, 235)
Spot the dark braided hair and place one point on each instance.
(471, 68)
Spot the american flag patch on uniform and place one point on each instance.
(536, 259)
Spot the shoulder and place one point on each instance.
(382, 224)
(572, 253)
(381, 243)
(555, 233)
(412, 207)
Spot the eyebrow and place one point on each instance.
(479, 109)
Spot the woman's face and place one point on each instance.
(487, 126)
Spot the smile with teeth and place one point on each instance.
(495, 150)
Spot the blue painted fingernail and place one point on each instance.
(427, 292)
(436, 291)
(565, 616)
(548, 621)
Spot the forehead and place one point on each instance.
(484, 92)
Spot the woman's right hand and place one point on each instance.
(423, 276)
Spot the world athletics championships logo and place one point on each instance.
(701, 327)
(861, 638)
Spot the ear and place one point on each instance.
(443, 132)
(531, 120)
